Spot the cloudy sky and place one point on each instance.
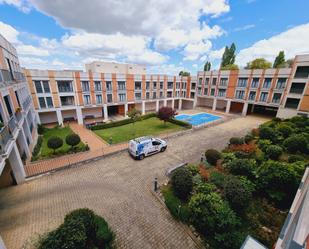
(166, 35)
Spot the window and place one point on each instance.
(161, 94)
(240, 94)
(267, 83)
(184, 85)
(252, 96)
(292, 103)
(242, 82)
(255, 82)
(223, 82)
(147, 95)
(192, 95)
(97, 86)
(109, 86)
(205, 91)
(184, 93)
(154, 84)
(122, 97)
(121, 85)
(199, 90)
(170, 85)
(200, 80)
(207, 81)
(154, 95)
(177, 94)
(109, 98)
(138, 85)
(67, 100)
(156, 143)
(85, 86)
(46, 86)
(263, 96)
(214, 81)
(42, 102)
(49, 102)
(302, 72)
(297, 88)
(193, 86)
(276, 98)
(65, 86)
(177, 85)
(212, 92)
(98, 99)
(281, 83)
(138, 96)
(221, 92)
(147, 85)
(169, 95)
(8, 104)
(161, 84)
(38, 86)
(87, 100)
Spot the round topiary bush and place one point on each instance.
(295, 158)
(54, 143)
(284, 129)
(182, 183)
(249, 138)
(236, 140)
(274, 152)
(72, 139)
(267, 133)
(212, 156)
(296, 143)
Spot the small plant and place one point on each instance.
(134, 115)
(212, 156)
(54, 143)
(72, 140)
(274, 151)
(236, 140)
(182, 182)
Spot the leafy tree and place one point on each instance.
(289, 63)
(284, 129)
(274, 151)
(72, 139)
(230, 67)
(280, 60)
(228, 57)
(238, 192)
(259, 63)
(182, 183)
(134, 114)
(165, 113)
(54, 143)
(242, 166)
(296, 143)
(213, 217)
(267, 132)
(184, 73)
(207, 66)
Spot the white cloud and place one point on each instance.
(193, 50)
(22, 5)
(31, 50)
(169, 69)
(33, 62)
(293, 41)
(10, 33)
(245, 27)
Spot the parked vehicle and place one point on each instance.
(141, 147)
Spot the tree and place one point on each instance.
(259, 63)
(230, 67)
(228, 57)
(274, 152)
(289, 63)
(280, 60)
(72, 140)
(54, 143)
(243, 166)
(212, 156)
(165, 113)
(296, 143)
(134, 114)
(207, 66)
(184, 73)
(182, 182)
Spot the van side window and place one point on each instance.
(156, 143)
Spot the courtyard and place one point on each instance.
(115, 187)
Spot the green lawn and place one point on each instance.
(151, 126)
(45, 152)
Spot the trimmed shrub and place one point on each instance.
(296, 143)
(37, 147)
(194, 169)
(212, 156)
(103, 234)
(267, 133)
(295, 158)
(236, 140)
(244, 167)
(274, 152)
(54, 143)
(205, 188)
(72, 139)
(182, 183)
(248, 138)
(284, 129)
(217, 178)
(180, 123)
(264, 144)
(41, 129)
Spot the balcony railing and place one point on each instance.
(18, 116)
(7, 76)
(12, 125)
(5, 136)
(26, 103)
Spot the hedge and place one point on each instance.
(180, 123)
(121, 122)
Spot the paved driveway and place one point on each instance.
(116, 187)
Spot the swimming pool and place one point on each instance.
(197, 119)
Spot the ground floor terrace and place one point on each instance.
(237, 106)
(116, 187)
(99, 114)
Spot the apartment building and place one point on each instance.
(17, 117)
(88, 97)
(114, 67)
(281, 92)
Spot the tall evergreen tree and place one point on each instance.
(207, 66)
(228, 57)
(280, 60)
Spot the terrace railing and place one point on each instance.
(5, 136)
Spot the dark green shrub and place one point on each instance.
(244, 167)
(263, 144)
(206, 188)
(248, 138)
(212, 156)
(103, 234)
(72, 139)
(268, 133)
(296, 143)
(194, 169)
(180, 123)
(41, 129)
(236, 140)
(37, 147)
(284, 129)
(182, 182)
(274, 152)
(217, 178)
(295, 158)
(54, 143)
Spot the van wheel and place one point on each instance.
(163, 149)
(141, 157)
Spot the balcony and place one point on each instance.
(8, 77)
(5, 136)
(12, 124)
(26, 103)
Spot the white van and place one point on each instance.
(141, 147)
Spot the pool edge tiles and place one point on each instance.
(198, 119)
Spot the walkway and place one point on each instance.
(116, 187)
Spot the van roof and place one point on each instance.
(141, 139)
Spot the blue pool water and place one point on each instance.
(197, 119)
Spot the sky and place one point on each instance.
(165, 35)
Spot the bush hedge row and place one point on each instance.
(180, 123)
(37, 147)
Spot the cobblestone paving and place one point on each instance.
(116, 187)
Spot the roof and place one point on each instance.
(251, 243)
